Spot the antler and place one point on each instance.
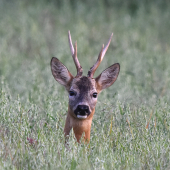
(100, 58)
(74, 55)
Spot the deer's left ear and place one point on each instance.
(107, 77)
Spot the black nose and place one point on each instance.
(82, 110)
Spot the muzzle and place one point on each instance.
(82, 111)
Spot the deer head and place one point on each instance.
(83, 90)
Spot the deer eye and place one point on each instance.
(72, 93)
(94, 95)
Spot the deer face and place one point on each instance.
(82, 96)
(83, 91)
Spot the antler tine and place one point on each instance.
(74, 55)
(100, 58)
(106, 47)
(70, 43)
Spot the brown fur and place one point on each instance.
(79, 126)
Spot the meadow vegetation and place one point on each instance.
(131, 126)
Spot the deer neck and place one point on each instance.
(80, 126)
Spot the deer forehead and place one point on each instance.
(83, 84)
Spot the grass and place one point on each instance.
(130, 128)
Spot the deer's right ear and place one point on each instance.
(61, 73)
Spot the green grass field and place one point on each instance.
(131, 125)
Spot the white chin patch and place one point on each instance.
(82, 117)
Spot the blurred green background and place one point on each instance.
(131, 125)
(31, 32)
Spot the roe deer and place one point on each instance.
(83, 90)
